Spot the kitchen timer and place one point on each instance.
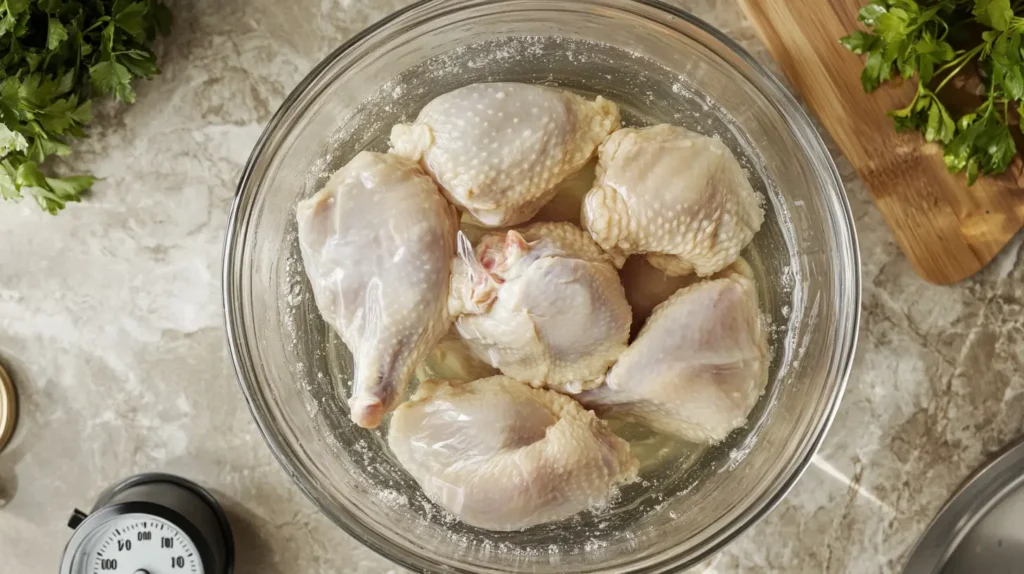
(151, 524)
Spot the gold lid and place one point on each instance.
(8, 408)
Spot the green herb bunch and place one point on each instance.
(55, 55)
(937, 40)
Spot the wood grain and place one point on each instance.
(947, 230)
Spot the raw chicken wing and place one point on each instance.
(697, 367)
(377, 243)
(675, 194)
(501, 455)
(498, 150)
(542, 304)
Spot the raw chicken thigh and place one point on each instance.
(501, 455)
(675, 194)
(498, 150)
(542, 304)
(697, 367)
(377, 242)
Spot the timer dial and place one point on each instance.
(150, 523)
(138, 544)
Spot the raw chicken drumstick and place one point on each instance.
(498, 150)
(542, 304)
(377, 243)
(677, 195)
(697, 367)
(501, 455)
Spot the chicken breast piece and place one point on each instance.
(377, 243)
(667, 191)
(499, 149)
(501, 455)
(697, 367)
(543, 305)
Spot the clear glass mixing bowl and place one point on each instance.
(658, 64)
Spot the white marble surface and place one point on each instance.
(110, 320)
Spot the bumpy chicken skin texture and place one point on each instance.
(501, 455)
(543, 305)
(668, 191)
(377, 243)
(499, 149)
(697, 367)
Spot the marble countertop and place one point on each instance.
(110, 321)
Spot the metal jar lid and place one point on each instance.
(981, 528)
(8, 408)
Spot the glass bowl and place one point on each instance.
(659, 65)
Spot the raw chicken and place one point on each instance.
(377, 242)
(453, 360)
(697, 367)
(498, 150)
(543, 304)
(501, 455)
(669, 191)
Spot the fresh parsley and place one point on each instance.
(937, 40)
(55, 55)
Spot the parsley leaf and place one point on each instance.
(914, 39)
(55, 56)
(926, 114)
(983, 145)
(994, 13)
(11, 141)
(130, 16)
(111, 77)
(859, 42)
(55, 34)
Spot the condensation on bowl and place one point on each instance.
(647, 93)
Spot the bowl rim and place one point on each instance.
(841, 364)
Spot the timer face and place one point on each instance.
(138, 544)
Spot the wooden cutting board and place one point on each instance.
(947, 230)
